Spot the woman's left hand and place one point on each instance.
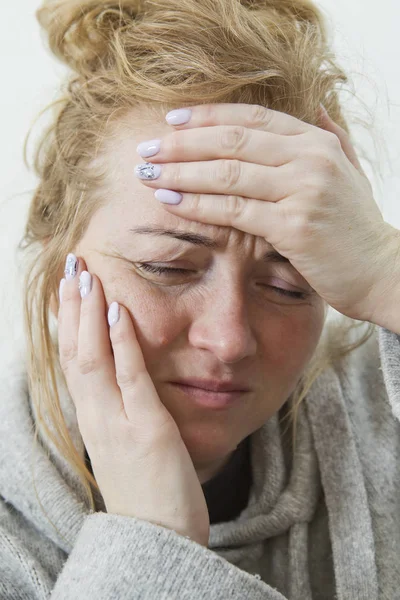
(299, 186)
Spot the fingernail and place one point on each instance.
(71, 266)
(149, 148)
(113, 313)
(179, 116)
(147, 171)
(324, 109)
(85, 283)
(60, 289)
(168, 196)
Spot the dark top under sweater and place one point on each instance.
(228, 492)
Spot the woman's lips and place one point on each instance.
(209, 399)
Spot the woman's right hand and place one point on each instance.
(139, 460)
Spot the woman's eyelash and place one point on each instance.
(162, 270)
(170, 271)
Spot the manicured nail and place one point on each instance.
(147, 171)
(149, 148)
(168, 196)
(60, 290)
(113, 313)
(85, 283)
(179, 116)
(324, 109)
(71, 266)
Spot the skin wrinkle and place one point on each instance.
(218, 326)
(202, 240)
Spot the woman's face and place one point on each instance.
(220, 320)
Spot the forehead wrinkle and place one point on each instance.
(220, 234)
(246, 242)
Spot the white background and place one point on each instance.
(365, 37)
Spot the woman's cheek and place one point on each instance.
(156, 319)
(291, 340)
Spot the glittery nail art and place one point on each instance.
(71, 266)
(148, 171)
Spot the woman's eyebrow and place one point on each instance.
(194, 238)
(199, 239)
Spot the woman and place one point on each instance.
(204, 430)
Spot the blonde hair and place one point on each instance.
(159, 54)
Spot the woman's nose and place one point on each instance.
(222, 326)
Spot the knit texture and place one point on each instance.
(323, 526)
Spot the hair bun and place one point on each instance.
(79, 32)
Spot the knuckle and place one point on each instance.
(229, 173)
(88, 363)
(128, 379)
(174, 175)
(331, 140)
(235, 206)
(196, 203)
(258, 115)
(233, 138)
(176, 142)
(325, 152)
(314, 184)
(210, 114)
(326, 160)
(320, 166)
(301, 225)
(68, 351)
(163, 435)
(119, 335)
(306, 220)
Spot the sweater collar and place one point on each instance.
(283, 495)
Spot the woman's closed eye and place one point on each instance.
(162, 270)
(170, 271)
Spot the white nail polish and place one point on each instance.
(113, 313)
(179, 116)
(85, 283)
(168, 196)
(149, 148)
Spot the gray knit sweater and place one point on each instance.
(325, 526)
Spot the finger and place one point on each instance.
(141, 401)
(228, 141)
(246, 214)
(94, 371)
(253, 116)
(224, 176)
(108, 366)
(69, 315)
